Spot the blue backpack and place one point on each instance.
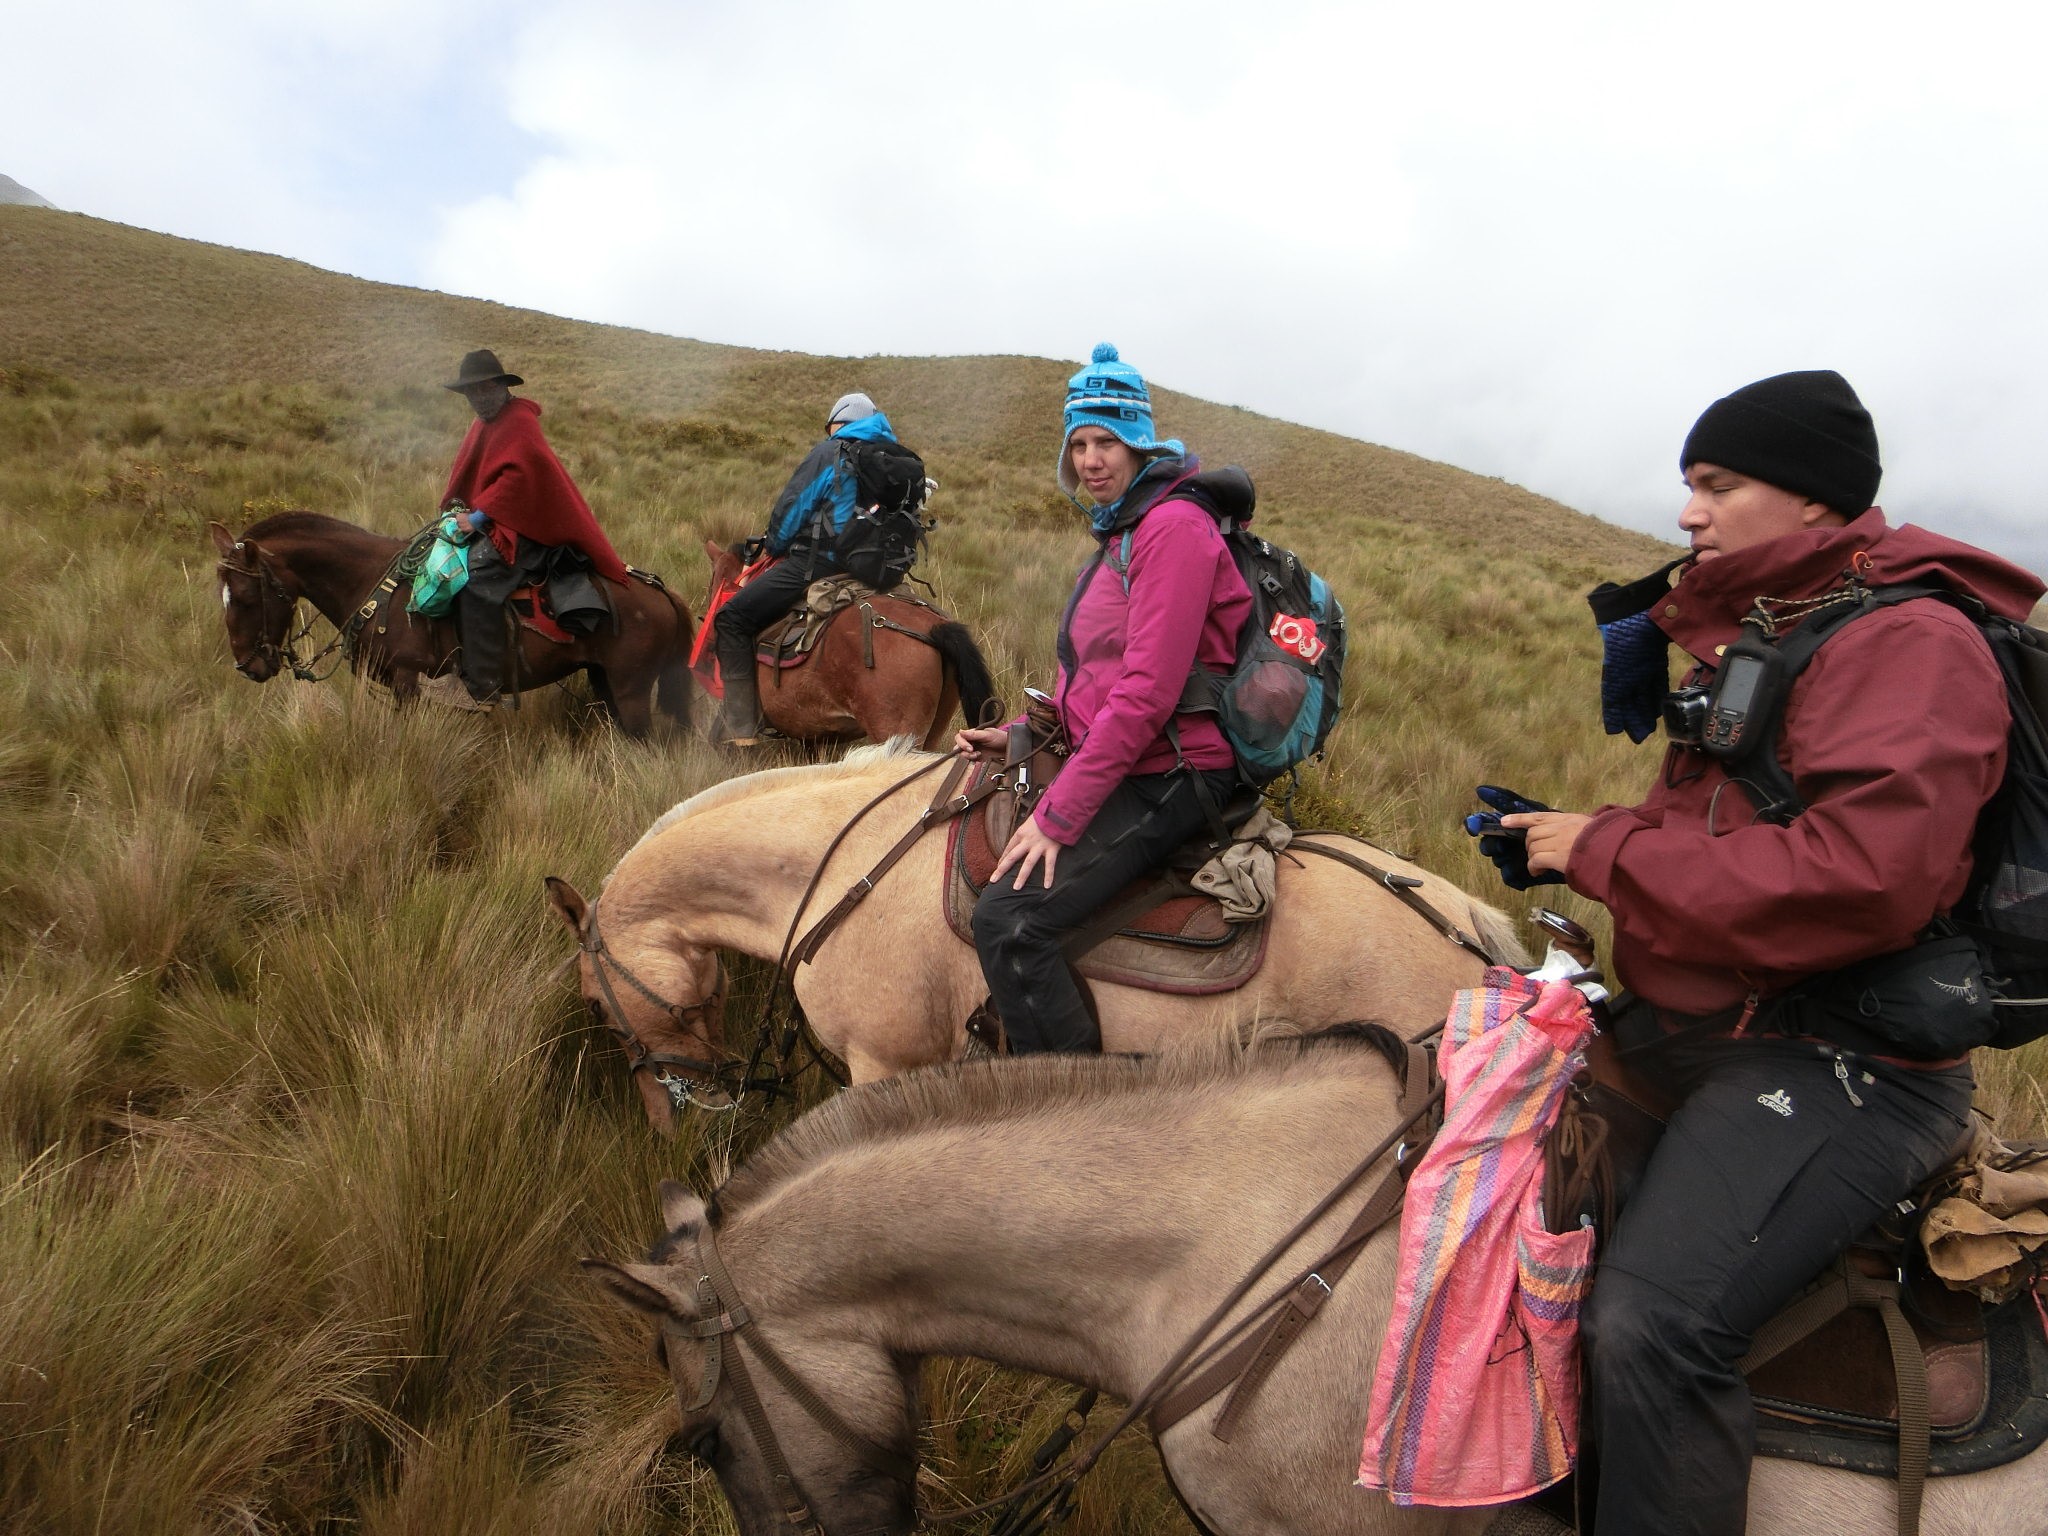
(1278, 702)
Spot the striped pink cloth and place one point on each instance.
(1476, 1396)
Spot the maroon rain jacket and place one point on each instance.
(1895, 736)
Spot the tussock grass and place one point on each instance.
(301, 1131)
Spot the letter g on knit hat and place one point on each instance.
(1802, 432)
(1111, 394)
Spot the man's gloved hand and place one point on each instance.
(1510, 854)
(1634, 676)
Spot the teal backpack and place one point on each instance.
(1278, 702)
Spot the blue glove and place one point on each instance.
(1506, 846)
(1634, 676)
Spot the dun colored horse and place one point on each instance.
(1079, 1218)
(887, 667)
(337, 566)
(892, 987)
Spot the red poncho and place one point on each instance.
(506, 470)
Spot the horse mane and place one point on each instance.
(858, 760)
(297, 522)
(978, 1093)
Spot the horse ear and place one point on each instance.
(681, 1210)
(643, 1287)
(222, 540)
(714, 549)
(568, 904)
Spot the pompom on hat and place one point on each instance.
(1111, 394)
(1803, 432)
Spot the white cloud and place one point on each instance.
(1532, 240)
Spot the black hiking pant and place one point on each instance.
(749, 611)
(1018, 934)
(481, 618)
(1766, 1173)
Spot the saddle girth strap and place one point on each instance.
(1849, 1287)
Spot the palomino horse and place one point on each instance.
(892, 987)
(336, 566)
(885, 668)
(1080, 1218)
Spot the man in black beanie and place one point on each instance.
(1792, 1134)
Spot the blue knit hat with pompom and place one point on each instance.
(1110, 393)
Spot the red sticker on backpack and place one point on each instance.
(1297, 633)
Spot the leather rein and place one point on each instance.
(347, 636)
(721, 1313)
(268, 587)
(640, 1057)
(1240, 1358)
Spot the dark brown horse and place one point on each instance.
(339, 568)
(886, 667)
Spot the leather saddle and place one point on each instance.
(789, 641)
(1877, 1330)
(1159, 933)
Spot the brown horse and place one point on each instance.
(337, 566)
(1079, 1218)
(893, 986)
(886, 667)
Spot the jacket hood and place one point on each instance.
(1705, 608)
(1152, 482)
(873, 428)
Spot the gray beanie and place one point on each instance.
(848, 408)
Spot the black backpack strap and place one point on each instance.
(1763, 777)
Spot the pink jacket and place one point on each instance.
(1895, 736)
(1131, 656)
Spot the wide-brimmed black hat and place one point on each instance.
(482, 367)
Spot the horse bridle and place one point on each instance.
(268, 586)
(1193, 1376)
(721, 1312)
(639, 1056)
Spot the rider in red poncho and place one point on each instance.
(507, 484)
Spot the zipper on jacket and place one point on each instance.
(1749, 1006)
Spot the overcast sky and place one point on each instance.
(1531, 240)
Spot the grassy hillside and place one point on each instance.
(300, 1130)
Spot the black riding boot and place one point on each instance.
(481, 624)
(739, 722)
(480, 616)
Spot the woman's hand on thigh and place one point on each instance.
(1026, 847)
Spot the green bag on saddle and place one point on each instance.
(443, 573)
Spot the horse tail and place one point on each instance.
(955, 645)
(674, 685)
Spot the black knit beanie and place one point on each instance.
(1802, 432)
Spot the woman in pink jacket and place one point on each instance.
(1142, 774)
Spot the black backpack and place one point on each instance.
(2004, 908)
(879, 542)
